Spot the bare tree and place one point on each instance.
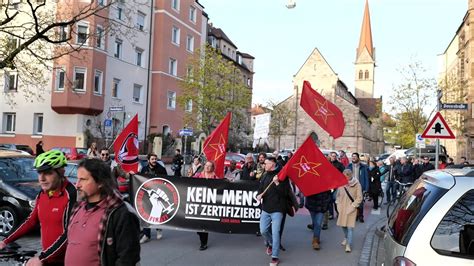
(33, 33)
(412, 100)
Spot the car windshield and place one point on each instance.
(17, 169)
(411, 209)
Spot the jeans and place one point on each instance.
(391, 190)
(348, 234)
(317, 218)
(273, 221)
(332, 206)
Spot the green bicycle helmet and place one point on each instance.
(52, 159)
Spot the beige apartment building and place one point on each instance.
(456, 80)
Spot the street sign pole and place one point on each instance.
(438, 107)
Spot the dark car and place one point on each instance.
(20, 147)
(429, 150)
(73, 153)
(18, 189)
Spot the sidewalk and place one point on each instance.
(373, 252)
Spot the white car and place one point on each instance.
(433, 223)
(397, 154)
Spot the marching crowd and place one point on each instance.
(90, 223)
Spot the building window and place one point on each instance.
(175, 4)
(189, 71)
(63, 36)
(171, 100)
(190, 43)
(119, 12)
(118, 48)
(98, 82)
(11, 81)
(115, 88)
(361, 74)
(38, 124)
(175, 35)
(192, 14)
(173, 67)
(82, 34)
(139, 56)
(99, 41)
(137, 93)
(60, 78)
(248, 82)
(102, 2)
(12, 43)
(366, 74)
(9, 121)
(189, 106)
(80, 78)
(140, 20)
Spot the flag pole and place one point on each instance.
(265, 191)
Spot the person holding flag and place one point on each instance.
(273, 195)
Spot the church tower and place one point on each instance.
(365, 59)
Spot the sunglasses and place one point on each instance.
(104, 154)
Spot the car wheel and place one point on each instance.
(8, 220)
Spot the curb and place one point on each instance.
(368, 254)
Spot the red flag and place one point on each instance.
(215, 145)
(126, 146)
(328, 116)
(311, 171)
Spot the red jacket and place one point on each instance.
(52, 212)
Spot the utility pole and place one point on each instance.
(438, 107)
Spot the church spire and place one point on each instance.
(366, 34)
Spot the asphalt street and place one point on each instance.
(181, 247)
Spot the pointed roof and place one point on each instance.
(366, 33)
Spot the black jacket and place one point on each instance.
(375, 185)
(121, 245)
(178, 160)
(318, 202)
(157, 170)
(339, 166)
(246, 170)
(405, 173)
(426, 167)
(275, 198)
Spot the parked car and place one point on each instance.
(239, 158)
(429, 150)
(382, 157)
(73, 153)
(18, 189)
(433, 223)
(20, 147)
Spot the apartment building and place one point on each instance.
(91, 93)
(456, 80)
(179, 28)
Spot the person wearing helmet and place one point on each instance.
(55, 200)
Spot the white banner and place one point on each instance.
(262, 126)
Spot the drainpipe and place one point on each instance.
(150, 52)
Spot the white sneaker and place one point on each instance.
(144, 239)
(344, 242)
(348, 248)
(159, 234)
